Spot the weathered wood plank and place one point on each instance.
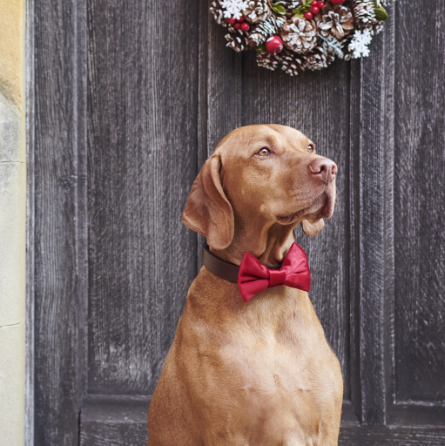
(223, 84)
(391, 436)
(114, 421)
(59, 268)
(371, 176)
(142, 161)
(420, 204)
(417, 414)
(30, 224)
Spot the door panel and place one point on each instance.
(59, 231)
(130, 101)
(419, 211)
(142, 159)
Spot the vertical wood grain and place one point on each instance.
(224, 92)
(420, 205)
(142, 108)
(30, 224)
(371, 176)
(59, 237)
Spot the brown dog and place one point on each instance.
(256, 373)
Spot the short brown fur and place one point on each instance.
(259, 373)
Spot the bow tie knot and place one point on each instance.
(277, 277)
(253, 277)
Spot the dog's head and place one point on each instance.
(263, 175)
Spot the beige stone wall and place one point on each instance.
(12, 222)
(12, 50)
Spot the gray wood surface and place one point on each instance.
(129, 101)
(143, 85)
(371, 213)
(390, 436)
(419, 207)
(59, 220)
(30, 239)
(114, 421)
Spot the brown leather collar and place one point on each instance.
(219, 267)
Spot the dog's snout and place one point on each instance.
(323, 168)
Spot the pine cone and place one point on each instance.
(378, 28)
(337, 21)
(236, 40)
(267, 60)
(363, 12)
(292, 4)
(318, 60)
(299, 35)
(290, 63)
(264, 30)
(257, 11)
(218, 13)
(256, 39)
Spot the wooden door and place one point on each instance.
(130, 97)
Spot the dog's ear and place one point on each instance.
(312, 228)
(208, 211)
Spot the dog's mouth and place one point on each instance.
(321, 207)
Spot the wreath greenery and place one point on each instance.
(299, 35)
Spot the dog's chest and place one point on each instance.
(275, 365)
(279, 360)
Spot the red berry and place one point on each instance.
(237, 25)
(232, 20)
(241, 19)
(245, 26)
(314, 3)
(320, 5)
(308, 15)
(315, 10)
(337, 2)
(274, 45)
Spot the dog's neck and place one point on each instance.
(268, 242)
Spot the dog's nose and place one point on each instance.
(323, 168)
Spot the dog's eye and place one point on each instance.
(264, 152)
(310, 148)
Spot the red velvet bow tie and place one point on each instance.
(253, 277)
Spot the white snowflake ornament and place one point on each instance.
(233, 8)
(359, 43)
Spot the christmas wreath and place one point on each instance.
(299, 35)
